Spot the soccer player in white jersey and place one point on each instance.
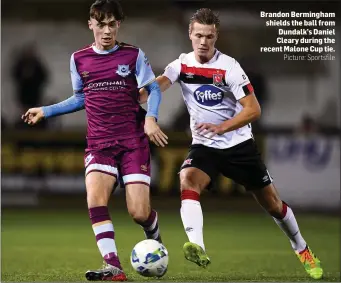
(222, 104)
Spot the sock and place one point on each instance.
(289, 226)
(192, 217)
(105, 235)
(151, 227)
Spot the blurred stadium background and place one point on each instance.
(42, 183)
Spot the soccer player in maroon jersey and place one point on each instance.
(222, 104)
(106, 78)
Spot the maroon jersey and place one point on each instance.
(110, 81)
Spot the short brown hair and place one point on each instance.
(204, 16)
(101, 9)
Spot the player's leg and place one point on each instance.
(195, 175)
(138, 204)
(244, 164)
(192, 183)
(101, 176)
(269, 199)
(135, 170)
(284, 217)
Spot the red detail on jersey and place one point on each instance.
(250, 88)
(206, 72)
(189, 194)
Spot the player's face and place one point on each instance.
(105, 32)
(203, 39)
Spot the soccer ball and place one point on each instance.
(149, 258)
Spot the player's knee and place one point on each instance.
(96, 199)
(139, 213)
(188, 182)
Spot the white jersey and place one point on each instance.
(211, 92)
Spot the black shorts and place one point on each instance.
(242, 163)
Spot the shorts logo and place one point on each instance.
(265, 178)
(123, 70)
(144, 168)
(88, 159)
(187, 162)
(218, 79)
(208, 95)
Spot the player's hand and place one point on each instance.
(153, 131)
(210, 129)
(33, 116)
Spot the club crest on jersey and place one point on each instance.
(208, 95)
(218, 79)
(123, 70)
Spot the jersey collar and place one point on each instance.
(104, 51)
(213, 59)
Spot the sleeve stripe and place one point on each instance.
(248, 89)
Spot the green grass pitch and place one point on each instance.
(59, 245)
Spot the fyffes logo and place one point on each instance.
(208, 95)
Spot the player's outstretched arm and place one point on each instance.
(70, 105)
(164, 84)
(151, 128)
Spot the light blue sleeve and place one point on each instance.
(154, 99)
(76, 80)
(144, 73)
(70, 105)
(73, 103)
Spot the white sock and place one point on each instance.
(192, 217)
(289, 226)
